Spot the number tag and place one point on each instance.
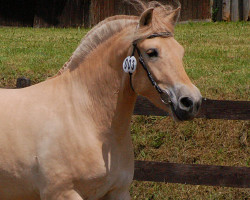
(129, 64)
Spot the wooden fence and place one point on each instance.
(82, 13)
(185, 173)
(87, 13)
(231, 10)
(192, 174)
(196, 174)
(191, 9)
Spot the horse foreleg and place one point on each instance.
(67, 195)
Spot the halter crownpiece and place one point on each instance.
(130, 63)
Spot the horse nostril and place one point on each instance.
(186, 102)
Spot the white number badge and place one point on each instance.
(129, 64)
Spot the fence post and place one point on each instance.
(217, 10)
(246, 10)
(23, 82)
(235, 10)
(226, 10)
(86, 13)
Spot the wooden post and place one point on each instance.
(70, 14)
(226, 10)
(23, 82)
(246, 10)
(235, 10)
(211, 9)
(101, 9)
(195, 9)
(45, 13)
(183, 16)
(93, 13)
(217, 10)
(86, 13)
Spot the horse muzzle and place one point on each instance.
(185, 103)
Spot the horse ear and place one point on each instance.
(146, 18)
(174, 16)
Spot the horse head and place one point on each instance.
(160, 75)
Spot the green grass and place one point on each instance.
(35, 53)
(217, 59)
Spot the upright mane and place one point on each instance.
(112, 25)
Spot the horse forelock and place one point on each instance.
(112, 25)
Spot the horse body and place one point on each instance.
(69, 137)
(61, 136)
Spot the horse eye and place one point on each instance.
(152, 53)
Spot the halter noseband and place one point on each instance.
(165, 96)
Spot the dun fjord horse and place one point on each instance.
(68, 138)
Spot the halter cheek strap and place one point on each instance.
(141, 60)
(165, 96)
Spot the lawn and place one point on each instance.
(217, 59)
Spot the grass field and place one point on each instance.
(218, 61)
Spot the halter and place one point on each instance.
(165, 95)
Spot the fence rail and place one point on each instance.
(196, 174)
(192, 174)
(210, 109)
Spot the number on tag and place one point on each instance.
(129, 64)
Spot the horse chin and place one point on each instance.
(178, 116)
(174, 115)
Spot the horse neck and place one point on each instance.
(108, 88)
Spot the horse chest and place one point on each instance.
(95, 167)
(96, 188)
(114, 170)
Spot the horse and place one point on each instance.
(69, 136)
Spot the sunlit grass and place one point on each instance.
(35, 53)
(218, 58)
